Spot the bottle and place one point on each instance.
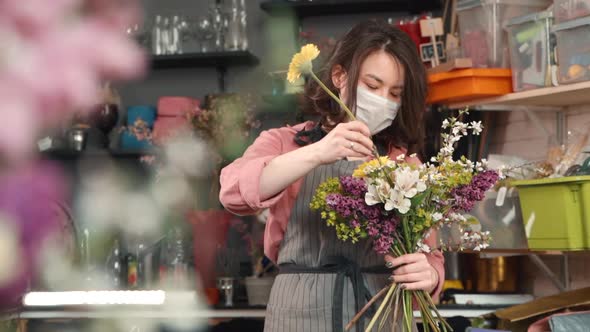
(243, 26)
(233, 28)
(134, 265)
(178, 258)
(165, 36)
(132, 271)
(175, 43)
(114, 265)
(219, 24)
(157, 36)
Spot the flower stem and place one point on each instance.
(408, 312)
(392, 288)
(426, 297)
(344, 107)
(407, 235)
(366, 307)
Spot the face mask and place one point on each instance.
(375, 111)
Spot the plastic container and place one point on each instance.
(531, 51)
(258, 289)
(567, 10)
(573, 50)
(483, 38)
(556, 212)
(467, 84)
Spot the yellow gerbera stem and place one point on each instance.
(344, 107)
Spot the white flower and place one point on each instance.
(447, 150)
(433, 159)
(398, 201)
(401, 157)
(377, 192)
(456, 217)
(454, 139)
(422, 247)
(437, 216)
(445, 124)
(476, 127)
(408, 182)
(460, 127)
(413, 155)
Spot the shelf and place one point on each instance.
(306, 8)
(95, 153)
(217, 59)
(559, 96)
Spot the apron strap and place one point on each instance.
(343, 268)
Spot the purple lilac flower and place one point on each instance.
(465, 196)
(350, 204)
(353, 186)
(382, 230)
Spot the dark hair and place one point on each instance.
(406, 131)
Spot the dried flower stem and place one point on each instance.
(366, 307)
(392, 289)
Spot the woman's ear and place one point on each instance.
(338, 76)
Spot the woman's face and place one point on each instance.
(380, 73)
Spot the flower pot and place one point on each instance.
(209, 233)
(258, 289)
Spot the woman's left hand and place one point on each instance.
(413, 272)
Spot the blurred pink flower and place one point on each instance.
(27, 205)
(55, 55)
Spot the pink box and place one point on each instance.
(177, 106)
(166, 127)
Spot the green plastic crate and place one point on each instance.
(556, 212)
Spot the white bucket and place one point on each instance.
(258, 289)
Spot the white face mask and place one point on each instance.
(375, 111)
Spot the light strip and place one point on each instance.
(50, 299)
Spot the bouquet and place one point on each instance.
(398, 205)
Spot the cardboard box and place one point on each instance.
(519, 318)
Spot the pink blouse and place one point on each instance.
(240, 192)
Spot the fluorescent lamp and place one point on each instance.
(50, 299)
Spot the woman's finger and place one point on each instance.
(359, 127)
(409, 278)
(360, 149)
(411, 268)
(419, 285)
(408, 259)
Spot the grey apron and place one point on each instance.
(324, 281)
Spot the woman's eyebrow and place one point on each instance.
(376, 78)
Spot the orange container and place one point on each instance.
(467, 84)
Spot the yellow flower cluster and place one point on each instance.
(368, 167)
(301, 62)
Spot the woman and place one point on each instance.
(375, 68)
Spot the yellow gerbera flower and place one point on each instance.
(369, 166)
(301, 62)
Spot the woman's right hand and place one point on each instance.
(350, 139)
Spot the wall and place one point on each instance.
(516, 134)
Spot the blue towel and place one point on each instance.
(130, 142)
(146, 113)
